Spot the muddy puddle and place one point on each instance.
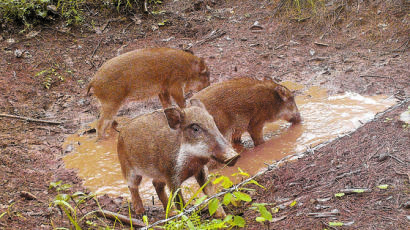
(324, 118)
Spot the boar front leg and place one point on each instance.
(255, 130)
(133, 184)
(201, 178)
(165, 99)
(160, 189)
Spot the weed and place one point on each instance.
(51, 76)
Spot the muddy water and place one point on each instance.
(324, 118)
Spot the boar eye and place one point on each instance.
(195, 128)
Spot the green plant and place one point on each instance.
(30, 11)
(50, 76)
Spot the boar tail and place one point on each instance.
(114, 125)
(89, 88)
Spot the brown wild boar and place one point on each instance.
(245, 104)
(170, 146)
(144, 73)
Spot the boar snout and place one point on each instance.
(296, 119)
(229, 156)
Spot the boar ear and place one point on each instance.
(283, 92)
(174, 117)
(202, 66)
(197, 103)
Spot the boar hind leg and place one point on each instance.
(165, 99)
(160, 189)
(236, 136)
(133, 184)
(255, 130)
(201, 178)
(108, 111)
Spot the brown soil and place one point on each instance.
(362, 49)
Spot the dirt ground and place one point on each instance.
(357, 46)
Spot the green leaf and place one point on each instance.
(238, 221)
(228, 218)
(218, 180)
(335, 224)
(242, 196)
(260, 219)
(293, 203)
(358, 190)
(255, 182)
(76, 194)
(339, 194)
(275, 210)
(241, 172)
(1, 215)
(227, 199)
(52, 184)
(64, 197)
(145, 219)
(200, 200)
(188, 222)
(383, 186)
(265, 213)
(63, 203)
(213, 206)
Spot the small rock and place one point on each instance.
(312, 52)
(11, 41)
(18, 53)
(154, 27)
(228, 38)
(32, 34)
(405, 116)
(256, 26)
(291, 42)
(52, 8)
(69, 149)
(27, 54)
(244, 39)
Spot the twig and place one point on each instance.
(402, 173)
(122, 218)
(318, 59)
(355, 190)
(340, 9)
(373, 76)
(31, 119)
(348, 174)
(320, 44)
(332, 213)
(28, 195)
(95, 50)
(212, 36)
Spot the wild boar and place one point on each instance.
(245, 104)
(170, 146)
(144, 73)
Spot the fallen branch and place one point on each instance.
(31, 119)
(212, 36)
(318, 59)
(122, 218)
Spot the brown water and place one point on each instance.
(324, 118)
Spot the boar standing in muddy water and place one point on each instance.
(144, 73)
(170, 146)
(245, 104)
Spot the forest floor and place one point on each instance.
(361, 47)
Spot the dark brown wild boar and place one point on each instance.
(170, 146)
(245, 104)
(144, 73)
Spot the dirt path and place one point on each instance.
(362, 50)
